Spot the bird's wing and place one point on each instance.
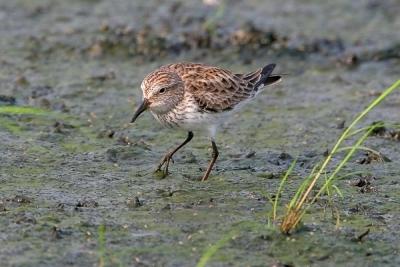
(215, 89)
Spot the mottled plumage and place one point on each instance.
(198, 97)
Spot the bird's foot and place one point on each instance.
(164, 162)
(160, 174)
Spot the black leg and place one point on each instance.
(168, 157)
(215, 154)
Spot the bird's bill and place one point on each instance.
(140, 110)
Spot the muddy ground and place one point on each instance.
(76, 180)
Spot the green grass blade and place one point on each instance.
(101, 240)
(281, 184)
(343, 162)
(338, 191)
(367, 149)
(207, 255)
(350, 174)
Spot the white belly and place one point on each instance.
(193, 121)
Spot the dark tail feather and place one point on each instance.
(266, 78)
(272, 80)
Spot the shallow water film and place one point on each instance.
(77, 182)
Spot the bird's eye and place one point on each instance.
(162, 90)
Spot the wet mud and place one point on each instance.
(76, 179)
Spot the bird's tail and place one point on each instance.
(262, 77)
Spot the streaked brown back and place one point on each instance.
(215, 89)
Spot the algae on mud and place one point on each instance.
(333, 70)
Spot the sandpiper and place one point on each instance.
(196, 97)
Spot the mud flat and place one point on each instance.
(76, 180)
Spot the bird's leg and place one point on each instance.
(168, 156)
(215, 154)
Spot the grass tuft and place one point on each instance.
(303, 197)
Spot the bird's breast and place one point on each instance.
(187, 117)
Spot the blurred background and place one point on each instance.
(77, 184)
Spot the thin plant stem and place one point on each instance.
(360, 148)
(288, 172)
(343, 162)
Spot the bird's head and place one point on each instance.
(162, 91)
